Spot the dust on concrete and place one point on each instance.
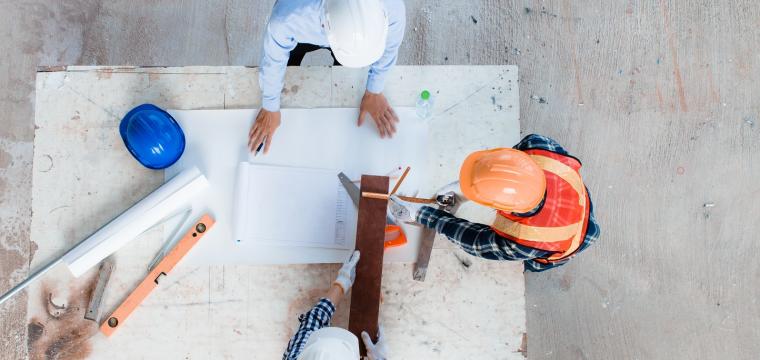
(292, 90)
(33, 247)
(5, 159)
(3, 187)
(463, 260)
(62, 333)
(305, 300)
(104, 74)
(539, 99)
(523, 349)
(48, 165)
(567, 281)
(10, 261)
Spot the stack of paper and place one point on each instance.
(290, 206)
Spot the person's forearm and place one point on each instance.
(476, 239)
(274, 60)
(335, 294)
(379, 70)
(271, 82)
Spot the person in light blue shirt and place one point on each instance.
(358, 33)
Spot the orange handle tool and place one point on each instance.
(394, 236)
(163, 268)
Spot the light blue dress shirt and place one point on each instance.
(301, 21)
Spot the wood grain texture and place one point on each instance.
(365, 294)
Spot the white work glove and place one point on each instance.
(458, 197)
(347, 273)
(404, 211)
(378, 350)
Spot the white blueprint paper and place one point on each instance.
(290, 206)
(323, 138)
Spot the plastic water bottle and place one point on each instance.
(424, 105)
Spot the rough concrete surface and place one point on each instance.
(656, 97)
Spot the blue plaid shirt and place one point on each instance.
(481, 241)
(318, 317)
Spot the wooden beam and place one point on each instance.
(370, 235)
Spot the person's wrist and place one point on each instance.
(270, 106)
(422, 214)
(335, 294)
(339, 286)
(374, 85)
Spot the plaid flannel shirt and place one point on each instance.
(482, 241)
(318, 317)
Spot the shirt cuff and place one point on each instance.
(322, 312)
(429, 216)
(375, 84)
(272, 105)
(326, 304)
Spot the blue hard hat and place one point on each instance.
(152, 136)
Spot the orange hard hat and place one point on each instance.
(504, 179)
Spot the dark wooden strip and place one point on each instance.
(365, 294)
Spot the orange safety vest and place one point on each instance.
(560, 225)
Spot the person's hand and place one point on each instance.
(263, 130)
(453, 191)
(378, 350)
(377, 106)
(405, 211)
(347, 273)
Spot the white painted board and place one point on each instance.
(326, 138)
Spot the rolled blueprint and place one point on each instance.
(160, 204)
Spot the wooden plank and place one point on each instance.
(365, 294)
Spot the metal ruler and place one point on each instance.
(104, 274)
(427, 238)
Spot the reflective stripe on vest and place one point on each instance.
(543, 234)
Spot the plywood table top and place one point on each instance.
(83, 177)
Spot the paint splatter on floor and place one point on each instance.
(63, 333)
(539, 99)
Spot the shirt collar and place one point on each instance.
(535, 209)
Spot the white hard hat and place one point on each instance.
(356, 30)
(331, 343)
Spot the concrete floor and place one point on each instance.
(656, 97)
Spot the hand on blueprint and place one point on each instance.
(347, 273)
(377, 106)
(263, 130)
(404, 211)
(378, 350)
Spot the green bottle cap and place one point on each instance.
(425, 95)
